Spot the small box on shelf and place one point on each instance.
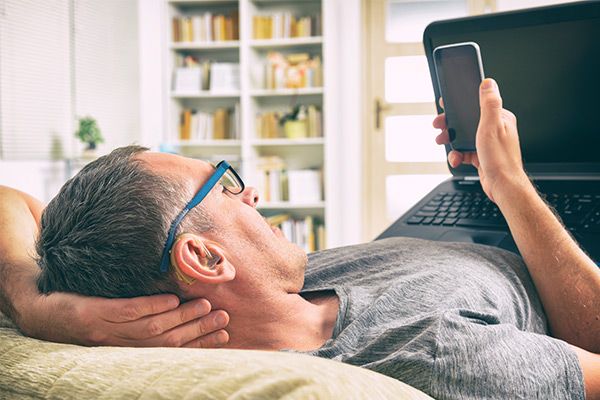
(278, 184)
(192, 76)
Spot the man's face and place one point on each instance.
(260, 252)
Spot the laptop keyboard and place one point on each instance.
(474, 210)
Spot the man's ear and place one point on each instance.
(197, 259)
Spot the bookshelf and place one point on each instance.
(260, 96)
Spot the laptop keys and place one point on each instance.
(475, 210)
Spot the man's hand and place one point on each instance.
(153, 321)
(63, 317)
(498, 156)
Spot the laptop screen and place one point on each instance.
(547, 64)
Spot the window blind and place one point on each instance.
(63, 59)
(35, 88)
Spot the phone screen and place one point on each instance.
(459, 76)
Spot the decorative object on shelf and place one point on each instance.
(300, 122)
(90, 134)
(294, 123)
(283, 25)
(293, 71)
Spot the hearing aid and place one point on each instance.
(209, 261)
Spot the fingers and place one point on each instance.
(124, 310)
(490, 100)
(199, 331)
(155, 325)
(443, 138)
(439, 122)
(215, 339)
(455, 158)
(441, 101)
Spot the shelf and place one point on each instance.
(252, 99)
(202, 2)
(285, 1)
(206, 143)
(286, 92)
(284, 205)
(288, 42)
(318, 141)
(205, 95)
(225, 44)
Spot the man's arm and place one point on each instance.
(63, 317)
(567, 280)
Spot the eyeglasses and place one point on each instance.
(228, 178)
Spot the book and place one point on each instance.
(282, 25)
(221, 124)
(206, 27)
(272, 179)
(307, 232)
(203, 125)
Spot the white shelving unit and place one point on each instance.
(253, 99)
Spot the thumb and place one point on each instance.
(490, 100)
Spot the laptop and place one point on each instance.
(547, 63)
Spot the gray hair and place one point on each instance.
(103, 234)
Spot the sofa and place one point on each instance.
(35, 369)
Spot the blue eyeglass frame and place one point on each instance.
(220, 170)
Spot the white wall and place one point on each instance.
(346, 18)
(152, 36)
(102, 80)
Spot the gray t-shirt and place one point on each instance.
(454, 320)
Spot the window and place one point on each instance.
(60, 59)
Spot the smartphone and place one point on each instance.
(459, 72)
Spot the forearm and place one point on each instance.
(19, 217)
(567, 280)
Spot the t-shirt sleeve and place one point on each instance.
(476, 359)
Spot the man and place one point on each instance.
(453, 320)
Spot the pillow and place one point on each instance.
(35, 369)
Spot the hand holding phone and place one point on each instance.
(459, 71)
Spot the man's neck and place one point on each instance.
(286, 321)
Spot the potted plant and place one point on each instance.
(294, 123)
(89, 133)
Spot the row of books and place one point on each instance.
(223, 123)
(300, 122)
(192, 75)
(292, 71)
(282, 25)
(206, 28)
(307, 232)
(276, 183)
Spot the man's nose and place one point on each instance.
(250, 196)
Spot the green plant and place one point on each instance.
(89, 132)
